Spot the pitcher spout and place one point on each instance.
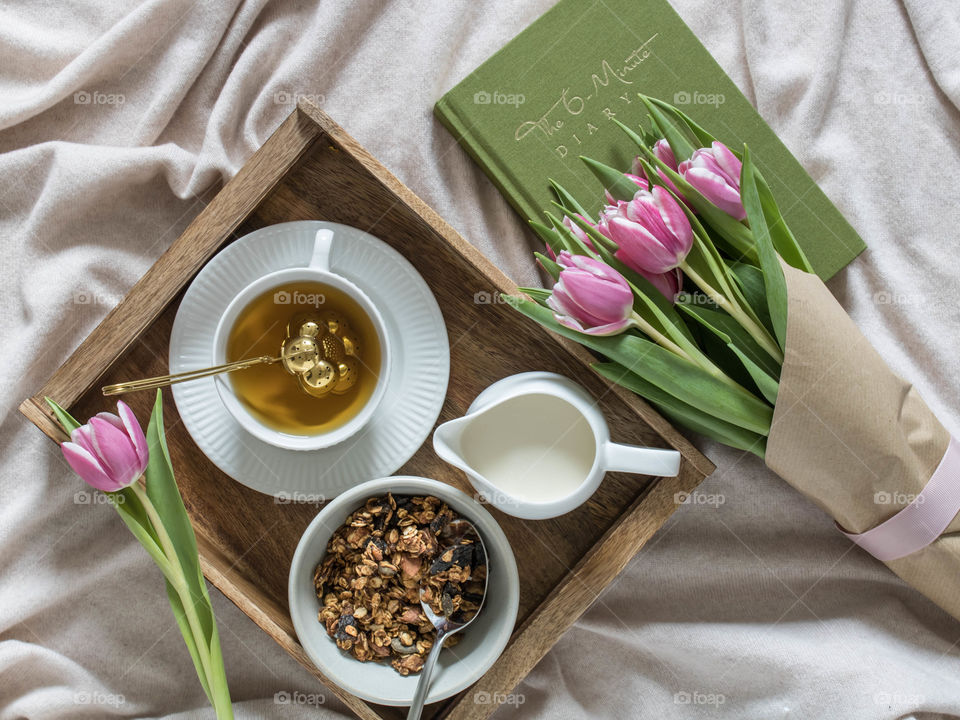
(448, 442)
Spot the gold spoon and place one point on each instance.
(323, 353)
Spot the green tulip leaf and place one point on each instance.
(552, 268)
(165, 496)
(716, 268)
(560, 241)
(538, 294)
(649, 172)
(180, 616)
(568, 201)
(702, 139)
(547, 235)
(66, 420)
(655, 130)
(161, 488)
(773, 279)
(219, 671)
(683, 141)
(640, 141)
(730, 331)
(614, 181)
(750, 279)
(783, 240)
(767, 385)
(681, 413)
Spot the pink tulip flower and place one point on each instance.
(715, 173)
(651, 231)
(109, 452)
(664, 153)
(591, 297)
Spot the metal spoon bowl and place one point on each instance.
(453, 533)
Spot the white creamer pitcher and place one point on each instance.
(536, 446)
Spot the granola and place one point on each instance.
(369, 581)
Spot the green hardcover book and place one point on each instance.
(547, 97)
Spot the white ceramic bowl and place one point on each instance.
(458, 667)
(318, 271)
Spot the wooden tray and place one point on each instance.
(311, 169)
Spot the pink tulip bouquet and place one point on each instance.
(693, 292)
(112, 454)
(709, 358)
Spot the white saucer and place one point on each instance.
(415, 389)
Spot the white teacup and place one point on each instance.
(317, 271)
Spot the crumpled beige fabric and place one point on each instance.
(118, 122)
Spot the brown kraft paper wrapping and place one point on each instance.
(854, 437)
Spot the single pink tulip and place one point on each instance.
(651, 231)
(109, 452)
(664, 153)
(715, 173)
(668, 283)
(636, 178)
(590, 296)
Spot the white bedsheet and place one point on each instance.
(116, 123)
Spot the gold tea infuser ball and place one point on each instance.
(319, 380)
(305, 325)
(300, 354)
(310, 328)
(323, 351)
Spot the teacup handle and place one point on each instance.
(320, 260)
(641, 460)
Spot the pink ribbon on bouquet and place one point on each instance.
(923, 520)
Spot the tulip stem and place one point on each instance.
(178, 579)
(698, 359)
(659, 337)
(757, 332)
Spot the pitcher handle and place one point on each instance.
(641, 460)
(320, 260)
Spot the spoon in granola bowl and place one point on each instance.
(451, 595)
